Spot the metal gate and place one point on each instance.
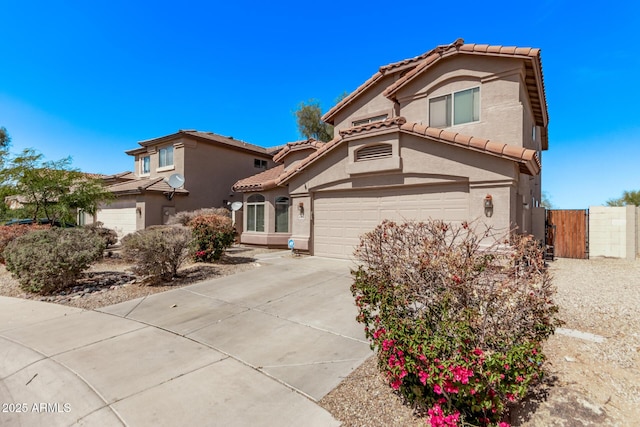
(567, 232)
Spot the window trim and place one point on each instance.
(451, 116)
(166, 149)
(142, 164)
(282, 201)
(255, 201)
(372, 119)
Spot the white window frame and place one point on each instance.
(254, 202)
(144, 172)
(451, 116)
(368, 120)
(280, 202)
(163, 152)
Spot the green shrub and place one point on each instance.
(10, 232)
(44, 261)
(458, 327)
(212, 234)
(158, 252)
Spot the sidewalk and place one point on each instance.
(256, 348)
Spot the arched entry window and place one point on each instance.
(282, 214)
(255, 212)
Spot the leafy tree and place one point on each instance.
(628, 198)
(546, 201)
(52, 189)
(310, 124)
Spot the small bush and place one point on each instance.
(109, 236)
(158, 252)
(458, 328)
(183, 218)
(8, 233)
(213, 234)
(44, 261)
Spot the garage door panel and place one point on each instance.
(340, 218)
(122, 220)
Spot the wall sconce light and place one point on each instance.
(139, 211)
(488, 205)
(301, 210)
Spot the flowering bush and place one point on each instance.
(458, 326)
(184, 217)
(212, 234)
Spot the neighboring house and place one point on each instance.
(209, 163)
(453, 134)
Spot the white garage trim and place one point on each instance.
(122, 220)
(340, 217)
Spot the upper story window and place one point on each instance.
(259, 163)
(369, 120)
(145, 165)
(462, 106)
(165, 156)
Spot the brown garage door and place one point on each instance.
(340, 217)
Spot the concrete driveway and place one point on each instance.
(256, 348)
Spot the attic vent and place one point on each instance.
(374, 152)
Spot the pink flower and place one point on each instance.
(437, 389)
(387, 344)
(511, 397)
(477, 352)
(450, 388)
(423, 377)
(503, 424)
(379, 332)
(519, 379)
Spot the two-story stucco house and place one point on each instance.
(454, 134)
(209, 163)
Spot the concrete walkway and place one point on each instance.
(256, 348)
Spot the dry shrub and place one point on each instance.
(8, 233)
(48, 260)
(158, 252)
(183, 218)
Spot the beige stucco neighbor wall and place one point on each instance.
(613, 231)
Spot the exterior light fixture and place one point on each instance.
(488, 205)
(301, 210)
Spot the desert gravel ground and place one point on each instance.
(593, 361)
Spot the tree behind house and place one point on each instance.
(628, 198)
(310, 124)
(52, 189)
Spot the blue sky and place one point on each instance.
(91, 79)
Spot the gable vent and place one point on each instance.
(374, 152)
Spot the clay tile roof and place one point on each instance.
(396, 121)
(138, 186)
(260, 182)
(297, 146)
(528, 159)
(383, 71)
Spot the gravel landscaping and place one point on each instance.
(593, 361)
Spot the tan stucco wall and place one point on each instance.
(499, 80)
(422, 162)
(370, 103)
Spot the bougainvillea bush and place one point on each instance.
(457, 323)
(212, 234)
